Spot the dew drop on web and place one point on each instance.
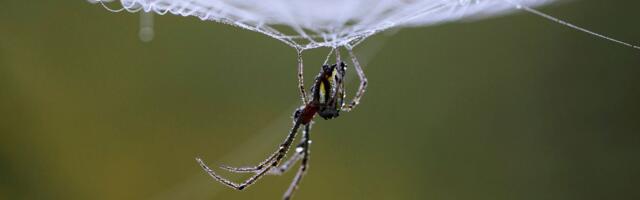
(309, 24)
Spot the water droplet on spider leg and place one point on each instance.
(309, 142)
(299, 149)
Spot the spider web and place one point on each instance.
(309, 24)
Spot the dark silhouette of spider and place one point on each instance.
(327, 100)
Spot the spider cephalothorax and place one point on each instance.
(328, 90)
(327, 100)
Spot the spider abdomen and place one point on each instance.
(307, 113)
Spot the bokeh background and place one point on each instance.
(512, 107)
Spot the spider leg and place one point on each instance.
(326, 60)
(286, 165)
(269, 163)
(237, 186)
(303, 93)
(255, 169)
(279, 170)
(303, 166)
(338, 60)
(363, 81)
(301, 149)
(302, 152)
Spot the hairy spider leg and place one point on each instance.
(270, 163)
(283, 168)
(363, 80)
(302, 152)
(326, 60)
(303, 115)
(256, 168)
(340, 93)
(303, 93)
(304, 166)
(338, 60)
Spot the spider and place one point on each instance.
(327, 100)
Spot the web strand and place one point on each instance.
(101, 2)
(564, 23)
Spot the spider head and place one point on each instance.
(328, 90)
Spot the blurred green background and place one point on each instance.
(512, 107)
